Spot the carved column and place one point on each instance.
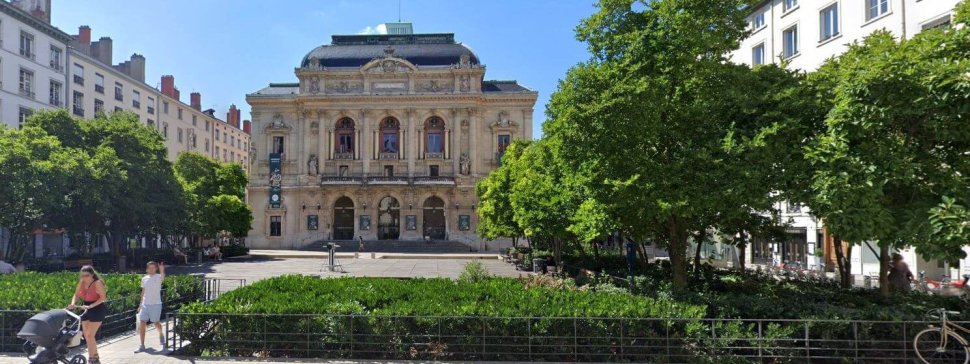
(321, 139)
(456, 140)
(411, 140)
(475, 157)
(303, 149)
(364, 153)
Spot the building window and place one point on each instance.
(224, 136)
(433, 170)
(194, 118)
(27, 45)
(758, 55)
(98, 108)
(232, 141)
(829, 22)
(55, 94)
(343, 171)
(151, 105)
(876, 8)
(224, 155)
(345, 138)
(504, 140)
(99, 83)
(178, 135)
(217, 135)
(275, 226)
(278, 145)
(388, 171)
(78, 102)
(135, 99)
(434, 130)
(232, 156)
(794, 208)
(789, 5)
(389, 135)
(27, 83)
(22, 117)
(78, 74)
(151, 123)
(944, 22)
(165, 107)
(55, 61)
(758, 21)
(117, 109)
(206, 126)
(180, 113)
(207, 144)
(217, 152)
(119, 92)
(165, 130)
(790, 42)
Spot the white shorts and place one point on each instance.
(150, 313)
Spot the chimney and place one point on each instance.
(232, 116)
(137, 67)
(196, 100)
(168, 86)
(247, 126)
(84, 36)
(101, 50)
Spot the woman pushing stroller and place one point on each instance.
(93, 293)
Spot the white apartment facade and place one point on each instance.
(33, 57)
(804, 34)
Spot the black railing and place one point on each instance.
(378, 180)
(553, 339)
(97, 88)
(80, 81)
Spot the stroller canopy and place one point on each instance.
(42, 328)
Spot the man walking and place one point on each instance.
(151, 302)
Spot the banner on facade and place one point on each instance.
(275, 181)
(312, 222)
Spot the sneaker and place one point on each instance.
(141, 348)
(161, 340)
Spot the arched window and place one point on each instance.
(345, 138)
(389, 136)
(434, 131)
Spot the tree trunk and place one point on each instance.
(515, 242)
(699, 242)
(557, 252)
(843, 264)
(742, 247)
(678, 252)
(884, 269)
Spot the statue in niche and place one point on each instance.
(464, 61)
(464, 83)
(464, 164)
(313, 62)
(314, 85)
(313, 165)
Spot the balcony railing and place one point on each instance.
(343, 155)
(388, 156)
(332, 180)
(433, 180)
(97, 88)
(55, 102)
(387, 180)
(79, 111)
(27, 93)
(136, 104)
(119, 97)
(57, 67)
(151, 110)
(80, 81)
(340, 180)
(429, 155)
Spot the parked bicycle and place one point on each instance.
(943, 344)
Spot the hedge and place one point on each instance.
(381, 318)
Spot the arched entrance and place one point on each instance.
(343, 219)
(388, 219)
(434, 218)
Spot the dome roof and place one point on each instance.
(419, 49)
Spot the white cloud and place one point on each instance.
(377, 29)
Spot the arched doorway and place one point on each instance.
(388, 219)
(343, 219)
(434, 218)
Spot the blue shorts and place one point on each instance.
(150, 313)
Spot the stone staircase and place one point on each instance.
(392, 246)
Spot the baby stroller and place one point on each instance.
(50, 335)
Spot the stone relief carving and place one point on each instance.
(252, 151)
(313, 165)
(464, 83)
(503, 120)
(344, 87)
(464, 123)
(313, 63)
(314, 85)
(314, 127)
(277, 122)
(434, 86)
(464, 61)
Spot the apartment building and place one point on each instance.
(33, 55)
(803, 34)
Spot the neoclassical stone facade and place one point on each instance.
(384, 138)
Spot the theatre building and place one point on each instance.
(383, 138)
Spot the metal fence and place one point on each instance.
(122, 310)
(542, 338)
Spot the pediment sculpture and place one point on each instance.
(277, 123)
(504, 121)
(344, 87)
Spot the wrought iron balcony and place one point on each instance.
(433, 180)
(80, 81)
(388, 156)
(429, 155)
(27, 92)
(79, 111)
(387, 180)
(343, 155)
(97, 88)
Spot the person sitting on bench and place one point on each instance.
(213, 252)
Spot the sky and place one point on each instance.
(225, 49)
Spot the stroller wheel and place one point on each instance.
(29, 348)
(79, 359)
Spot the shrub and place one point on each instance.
(43, 291)
(233, 250)
(474, 271)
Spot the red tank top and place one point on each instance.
(90, 294)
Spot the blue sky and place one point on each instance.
(225, 49)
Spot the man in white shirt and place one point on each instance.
(151, 302)
(6, 268)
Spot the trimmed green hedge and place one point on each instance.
(43, 291)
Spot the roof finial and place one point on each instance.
(389, 51)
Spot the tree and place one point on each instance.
(227, 213)
(496, 215)
(211, 186)
(667, 138)
(896, 144)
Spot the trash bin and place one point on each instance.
(539, 265)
